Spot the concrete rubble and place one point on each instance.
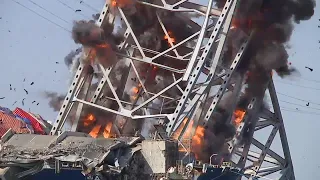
(131, 157)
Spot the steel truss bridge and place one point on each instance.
(202, 74)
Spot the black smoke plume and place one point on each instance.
(272, 22)
(273, 26)
(70, 58)
(98, 43)
(55, 100)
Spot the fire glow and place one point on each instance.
(90, 119)
(239, 115)
(169, 38)
(95, 131)
(197, 138)
(135, 90)
(120, 3)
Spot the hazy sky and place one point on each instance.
(32, 42)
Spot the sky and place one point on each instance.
(35, 38)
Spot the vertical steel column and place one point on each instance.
(84, 93)
(282, 132)
(198, 69)
(58, 124)
(200, 94)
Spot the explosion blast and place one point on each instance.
(272, 22)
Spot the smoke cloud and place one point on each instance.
(55, 100)
(87, 33)
(98, 43)
(271, 20)
(71, 57)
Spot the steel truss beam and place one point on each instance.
(251, 161)
(131, 41)
(186, 80)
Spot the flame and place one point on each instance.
(89, 119)
(107, 130)
(196, 140)
(113, 3)
(120, 3)
(135, 90)
(239, 115)
(92, 51)
(95, 131)
(169, 38)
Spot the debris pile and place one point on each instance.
(112, 158)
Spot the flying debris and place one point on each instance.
(78, 10)
(33, 102)
(31, 83)
(95, 16)
(37, 104)
(57, 62)
(26, 91)
(14, 103)
(311, 69)
(2, 97)
(308, 104)
(23, 101)
(135, 52)
(24, 80)
(10, 87)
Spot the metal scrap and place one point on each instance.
(26, 91)
(311, 69)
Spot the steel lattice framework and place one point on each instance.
(212, 34)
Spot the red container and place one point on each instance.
(35, 124)
(7, 122)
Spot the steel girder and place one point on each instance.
(214, 29)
